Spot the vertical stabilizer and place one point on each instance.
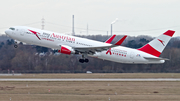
(157, 45)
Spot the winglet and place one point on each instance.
(110, 39)
(121, 40)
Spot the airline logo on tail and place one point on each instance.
(161, 42)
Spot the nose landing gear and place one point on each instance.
(15, 44)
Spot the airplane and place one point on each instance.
(66, 44)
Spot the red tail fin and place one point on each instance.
(156, 46)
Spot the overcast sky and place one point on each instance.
(136, 17)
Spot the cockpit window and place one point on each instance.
(12, 28)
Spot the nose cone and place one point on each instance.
(7, 31)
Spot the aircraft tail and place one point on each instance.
(157, 45)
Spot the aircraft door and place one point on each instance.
(13, 32)
(22, 32)
(132, 55)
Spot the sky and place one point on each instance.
(135, 17)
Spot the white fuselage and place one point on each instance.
(54, 40)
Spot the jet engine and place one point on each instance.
(66, 50)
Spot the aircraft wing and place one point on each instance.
(92, 50)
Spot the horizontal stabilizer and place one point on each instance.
(158, 58)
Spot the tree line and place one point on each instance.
(28, 58)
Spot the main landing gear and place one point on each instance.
(83, 60)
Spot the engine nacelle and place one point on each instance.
(66, 50)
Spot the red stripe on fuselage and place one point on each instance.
(149, 49)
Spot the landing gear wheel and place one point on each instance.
(86, 60)
(81, 60)
(15, 46)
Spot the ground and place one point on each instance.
(90, 90)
